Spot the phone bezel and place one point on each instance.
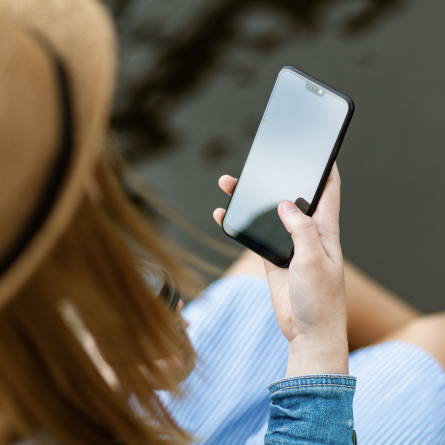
(261, 250)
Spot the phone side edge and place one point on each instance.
(334, 154)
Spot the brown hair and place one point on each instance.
(48, 382)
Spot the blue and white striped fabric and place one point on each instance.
(400, 396)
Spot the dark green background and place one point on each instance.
(195, 78)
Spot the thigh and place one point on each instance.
(247, 263)
(427, 331)
(373, 310)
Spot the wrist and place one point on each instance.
(315, 355)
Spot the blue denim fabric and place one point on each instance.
(313, 409)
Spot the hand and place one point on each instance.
(309, 297)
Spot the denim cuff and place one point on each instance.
(314, 380)
(311, 408)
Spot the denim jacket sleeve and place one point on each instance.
(315, 409)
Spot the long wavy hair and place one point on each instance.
(90, 286)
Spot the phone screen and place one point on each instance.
(294, 142)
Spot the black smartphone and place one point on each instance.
(296, 144)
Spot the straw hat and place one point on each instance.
(57, 69)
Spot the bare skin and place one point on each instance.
(374, 313)
(309, 297)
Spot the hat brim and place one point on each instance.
(81, 35)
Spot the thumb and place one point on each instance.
(303, 230)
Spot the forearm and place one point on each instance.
(314, 402)
(318, 354)
(373, 310)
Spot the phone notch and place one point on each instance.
(315, 89)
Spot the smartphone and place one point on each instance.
(295, 146)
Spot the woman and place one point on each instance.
(84, 342)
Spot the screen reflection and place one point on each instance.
(289, 154)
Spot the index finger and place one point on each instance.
(227, 184)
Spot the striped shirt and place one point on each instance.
(400, 395)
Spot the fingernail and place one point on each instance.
(288, 207)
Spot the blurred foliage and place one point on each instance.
(170, 47)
